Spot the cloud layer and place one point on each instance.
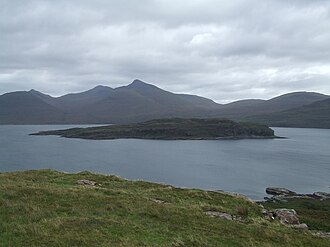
(224, 50)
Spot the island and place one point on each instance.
(170, 129)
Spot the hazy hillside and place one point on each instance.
(28, 108)
(244, 108)
(140, 101)
(315, 115)
(78, 100)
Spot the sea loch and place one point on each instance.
(300, 163)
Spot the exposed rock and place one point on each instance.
(280, 191)
(238, 218)
(302, 226)
(322, 195)
(286, 216)
(87, 182)
(264, 212)
(322, 234)
(221, 215)
(159, 201)
(281, 194)
(267, 215)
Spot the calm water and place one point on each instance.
(300, 163)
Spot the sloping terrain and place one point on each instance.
(49, 208)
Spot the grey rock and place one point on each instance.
(87, 182)
(302, 226)
(280, 191)
(264, 212)
(221, 215)
(225, 216)
(322, 195)
(322, 234)
(158, 201)
(286, 216)
(267, 215)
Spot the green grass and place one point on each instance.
(49, 208)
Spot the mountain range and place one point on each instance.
(140, 101)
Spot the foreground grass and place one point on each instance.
(49, 208)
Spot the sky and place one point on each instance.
(223, 50)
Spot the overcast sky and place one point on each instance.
(224, 50)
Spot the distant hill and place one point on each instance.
(28, 108)
(136, 102)
(315, 115)
(140, 101)
(242, 109)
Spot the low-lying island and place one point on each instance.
(170, 129)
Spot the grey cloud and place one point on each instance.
(224, 50)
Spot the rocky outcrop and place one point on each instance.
(221, 215)
(225, 216)
(159, 201)
(321, 195)
(286, 216)
(280, 191)
(302, 226)
(322, 234)
(281, 194)
(87, 182)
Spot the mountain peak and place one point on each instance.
(138, 82)
(140, 85)
(37, 93)
(100, 87)
(33, 91)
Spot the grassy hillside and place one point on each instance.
(170, 129)
(49, 208)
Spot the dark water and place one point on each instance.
(300, 163)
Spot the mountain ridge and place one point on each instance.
(139, 101)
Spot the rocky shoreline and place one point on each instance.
(280, 194)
